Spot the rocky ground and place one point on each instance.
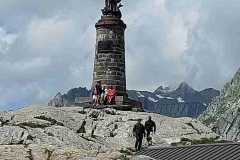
(73, 133)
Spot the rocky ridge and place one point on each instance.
(223, 114)
(187, 93)
(42, 132)
(67, 100)
(175, 101)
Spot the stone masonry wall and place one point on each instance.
(109, 63)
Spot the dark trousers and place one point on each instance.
(138, 143)
(148, 135)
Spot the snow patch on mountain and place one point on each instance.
(140, 95)
(161, 97)
(152, 99)
(180, 99)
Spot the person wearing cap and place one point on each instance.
(139, 133)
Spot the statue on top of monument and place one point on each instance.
(112, 8)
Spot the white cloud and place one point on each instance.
(48, 46)
(48, 33)
(6, 40)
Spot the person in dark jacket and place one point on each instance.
(138, 132)
(150, 126)
(99, 92)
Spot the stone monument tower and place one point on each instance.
(109, 63)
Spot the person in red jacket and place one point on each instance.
(111, 95)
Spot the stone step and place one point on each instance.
(118, 107)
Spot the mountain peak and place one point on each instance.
(184, 85)
(166, 90)
(172, 88)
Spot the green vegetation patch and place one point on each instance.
(30, 154)
(49, 154)
(87, 139)
(21, 126)
(185, 141)
(132, 120)
(126, 151)
(32, 125)
(122, 157)
(82, 112)
(52, 121)
(29, 137)
(50, 134)
(3, 122)
(210, 120)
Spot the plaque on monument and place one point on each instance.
(105, 45)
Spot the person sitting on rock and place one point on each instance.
(138, 132)
(99, 90)
(104, 95)
(149, 126)
(94, 95)
(111, 95)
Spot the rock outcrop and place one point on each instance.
(58, 101)
(223, 114)
(209, 94)
(67, 100)
(52, 133)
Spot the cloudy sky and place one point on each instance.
(47, 46)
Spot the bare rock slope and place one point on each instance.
(223, 114)
(51, 133)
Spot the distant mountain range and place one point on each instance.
(174, 101)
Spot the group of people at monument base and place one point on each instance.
(139, 132)
(103, 95)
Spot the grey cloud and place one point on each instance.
(166, 42)
(213, 44)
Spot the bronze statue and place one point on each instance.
(112, 8)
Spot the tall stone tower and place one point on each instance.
(109, 63)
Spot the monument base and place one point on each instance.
(122, 103)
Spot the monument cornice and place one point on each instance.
(110, 20)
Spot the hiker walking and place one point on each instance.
(138, 132)
(150, 126)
